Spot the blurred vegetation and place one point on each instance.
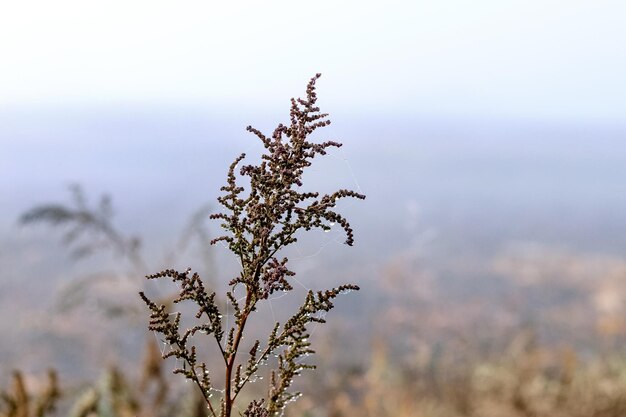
(524, 380)
(17, 401)
(89, 230)
(410, 369)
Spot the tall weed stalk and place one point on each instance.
(258, 222)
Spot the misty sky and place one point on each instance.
(512, 105)
(539, 60)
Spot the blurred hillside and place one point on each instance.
(470, 230)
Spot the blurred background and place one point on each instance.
(488, 136)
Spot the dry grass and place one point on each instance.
(525, 380)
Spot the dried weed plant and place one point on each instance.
(258, 224)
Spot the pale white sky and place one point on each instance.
(548, 59)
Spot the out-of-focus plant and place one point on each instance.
(89, 229)
(259, 220)
(19, 402)
(114, 394)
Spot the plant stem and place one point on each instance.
(197, 382)
(230, 363)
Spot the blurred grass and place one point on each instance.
(524, 380)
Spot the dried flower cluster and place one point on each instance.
(258, 223)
